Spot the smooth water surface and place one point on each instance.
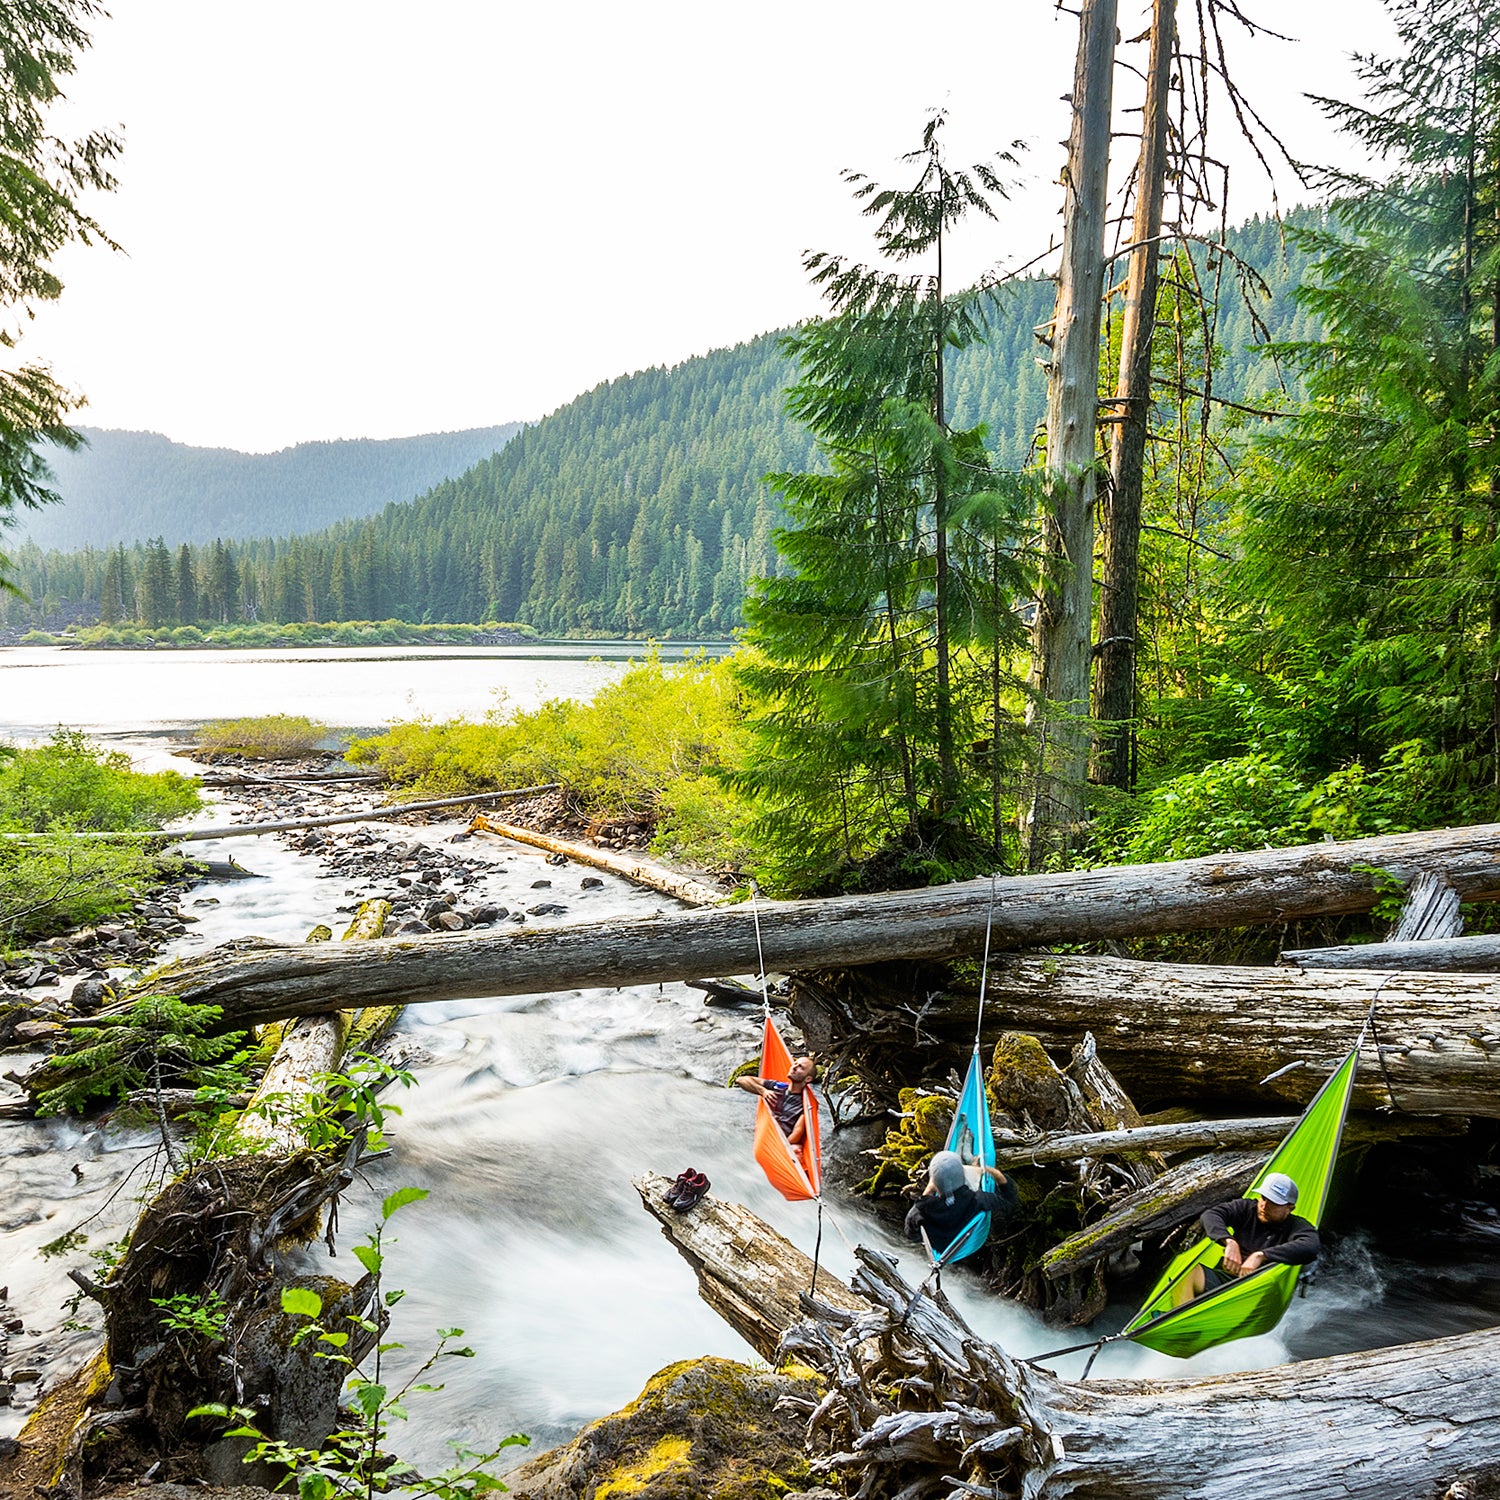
(355, 687)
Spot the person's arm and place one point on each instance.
(1218, 1225)
(1005, 1199)
(913, 1225)
(1300, 1248)
(799, 1130)
(753, 1085)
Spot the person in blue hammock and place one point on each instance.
(948, 1204)
(1255, 1232)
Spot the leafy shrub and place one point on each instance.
(1255, 802)
(50, 885)
(72, 784)
(646, 744)
(270, 737)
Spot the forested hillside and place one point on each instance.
(637, 509)
(125, 486)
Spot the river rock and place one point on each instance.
(449, 921)
(590, 883)
(705, 1429)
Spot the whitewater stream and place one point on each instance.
(532, 1115)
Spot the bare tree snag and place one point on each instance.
(256, 982)
(645, 872)
(1119, 594)
(1429, 912)
(921, 1405)
(1064, 619)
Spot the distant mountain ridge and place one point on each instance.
(126, 486)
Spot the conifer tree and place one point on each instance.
(901, 559)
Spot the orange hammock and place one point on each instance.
(796, 1172)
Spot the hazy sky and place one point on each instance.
(366, 219)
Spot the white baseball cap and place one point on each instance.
(1278, 1188)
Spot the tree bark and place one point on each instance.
(746, 1272)
(1119, 594)
(631, 867)
(916, 1395)
(255, 981)
(1479, 954)
(1173, 1032)
(1064, 620)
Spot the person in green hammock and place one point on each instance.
(1255, 1232)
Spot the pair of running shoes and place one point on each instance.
(687, 1192)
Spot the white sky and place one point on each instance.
(373, 219)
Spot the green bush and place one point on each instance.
(1256, 802)
(648, 744)
(269, 737)
(71, 784)
(50, 885)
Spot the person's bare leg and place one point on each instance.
(1189, 1287)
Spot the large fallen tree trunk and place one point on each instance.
(1181, 1031)
(921, 1405)
(264, 981)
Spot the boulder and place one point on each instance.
(706, 1429)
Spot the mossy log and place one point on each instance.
(1181, 1032)
(920, 1405)
(256, 982)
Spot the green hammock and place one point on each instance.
(1255, 1303)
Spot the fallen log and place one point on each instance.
(633, 867)
(1179, 1194)
(1430, 911)
(1183, 1031)
(259, 982)
(290, 825)
(919, 1404)
(1479, 954)
(250, 778)
(744, 1275)
(1011, 1150)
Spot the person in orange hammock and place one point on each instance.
(785, 1099)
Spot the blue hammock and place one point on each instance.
(972, 1138)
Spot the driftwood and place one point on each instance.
(288, 825)
(1175, 1032)
(743, 1272)
(1011, 1150)
(1479, 954)
(918, 1404)
(252, 778)
(1430, 911)
(259, 982)
(632, 867)
(1179, 1194)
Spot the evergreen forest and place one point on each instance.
(638, 509)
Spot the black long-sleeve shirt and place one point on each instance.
(945, 1219)
(1292, 1242)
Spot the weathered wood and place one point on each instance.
(1179, 1194)
(310, 1046)
(632, 867)
(1479, 954)
(251, 778)
(1111, 1108)
(289, 825)
(1182, 1031)
(1429, 912)
(1193, 1135)
(1058, 707)
(256, 982)
(748, 1274)
(1385, 1424)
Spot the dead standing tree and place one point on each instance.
(1063, 630)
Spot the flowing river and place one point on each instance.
(532, 1115)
